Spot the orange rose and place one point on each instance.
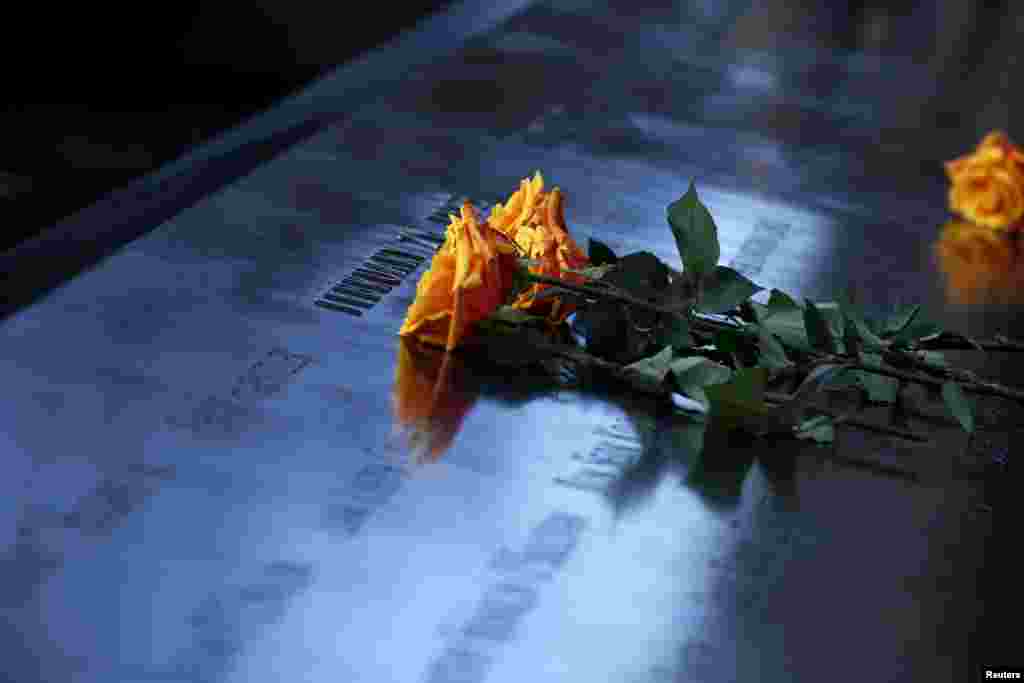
(429, 399)
(468, 279)
(536, 221)
(507, 217)
(979, 264)
(988, 185)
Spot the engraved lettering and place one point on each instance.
(348, 517)
(377, 482)
(588, 480)
(459, 665)
(554, 539)
(500, 610)
(269, 375)
(504, 604)
(613, 455)
(507, 560)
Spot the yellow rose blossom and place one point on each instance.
(535, 219)
(508, 217)
(988, 184)
(979, 265)
(468, 279)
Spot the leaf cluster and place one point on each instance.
(721, 355)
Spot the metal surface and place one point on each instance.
(201, 482)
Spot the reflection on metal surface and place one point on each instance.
(430, 398)
(980, 265)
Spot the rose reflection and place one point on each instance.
(430, 398)
(980, 265)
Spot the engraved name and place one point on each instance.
(506, 602)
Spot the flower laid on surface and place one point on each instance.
(988, 184)
(468, 279)
(475, 271)
(980, 265)
(535, 220)
(978, 254)
(694, 337)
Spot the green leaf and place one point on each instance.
(832, 312)
(725, 289)
(916, 330)
(958, 405)
(851, 340)
(679, 295)
(772, 354)
(819, 429)
(592, 272)
(783, 317)
(875, 325)
(747, 312)
(653, 369)
(684, 439)
(695, 233)
(604, 327)
(600, 253)
(675, 332)
(727, 341)
(779, 301)
(855, 317)
(900, 318)
(644, 276)
(741, 397)
(641, 267)
(513, 316)
(881, 389)
(820, 377)
(934, 358)
(789, 327)
(688, 369)
(759, 311)
(693, 373)
(641, 274)
(819, 331)
(717, 476)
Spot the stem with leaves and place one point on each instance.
(970, 382)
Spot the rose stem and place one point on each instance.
(976, 386)
(620, 372)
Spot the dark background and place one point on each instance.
(97, 96)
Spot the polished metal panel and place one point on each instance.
(203, 481)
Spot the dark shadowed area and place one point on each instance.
(98, 96)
